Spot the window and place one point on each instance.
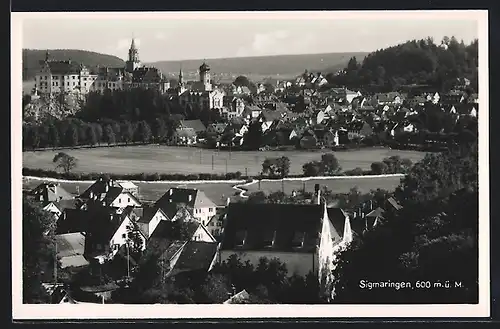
(240, 238)
(269, 237)
(124, 236)
(298, 239)
(119, 200)
(128, 199)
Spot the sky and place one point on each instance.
(177, 36)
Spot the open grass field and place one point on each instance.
(336, 185)
(219, 192)
(185, 160)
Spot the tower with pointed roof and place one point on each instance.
(133, 61)
(182, 86)
(205, 76)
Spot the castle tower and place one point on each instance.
(133, 61)
(205, 76)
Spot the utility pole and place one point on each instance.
(246, 172)
(201, 150)
(282, 185)
(226, 166)
(212, 162)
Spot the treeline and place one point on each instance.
(139, 104)
(75, 132)
(416, 62)
(432, 242)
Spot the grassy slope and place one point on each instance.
(31, 58)
(163, 159)
(257, 68)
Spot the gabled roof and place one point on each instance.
(64, 67)
(196, 125)
(394, 203)
(239, 298)
(74, 221)
(260, 221)
(378, 212)
(66, 204)
(51, 192)
(465, 108)
(192, 198)
(70, 244)
(196, 255)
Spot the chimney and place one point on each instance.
(190, 198)
(91, 195)
(171, 191)
(106, 188)
(319, 196)
(228, 201)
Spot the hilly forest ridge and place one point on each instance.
(262, 66)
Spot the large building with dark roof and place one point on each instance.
(303, 237)
(70, 77)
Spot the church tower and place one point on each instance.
(133, 58)
(205, 76)
(182, 86)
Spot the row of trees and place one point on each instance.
(440, 66)
(75, 132)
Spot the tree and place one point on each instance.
(276, 167)
(134, 240)
(38, 251)
(253, 137)
(98, 132)
(53, 136)
(330, 164)
(71, 138)
(65, 162)
(91, 135)
(127, 132)
(215, 289)
(312, 169)
(109, 135)
(378, 168)
(33, 138)
(143, 132)
(159, 129)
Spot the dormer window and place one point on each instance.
(269, 237)
(298, 239)
(240, 238)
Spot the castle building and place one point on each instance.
(201, 93)
(70, 77)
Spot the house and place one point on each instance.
(121, 235)
(49, 192)
(303, 237)
(196, 249)
(129, 187)
(184, 136)
(59, 207)
(216, 128)
(195, 125)
(389, 98)
(232, 107)
(251, 112)
(473, 98)
(402, 127)
(106, 192)
(195, 200)
(215, 224)
(147, 218)
(73, 221)
(196, 256)
(70, 248)
(106, 232)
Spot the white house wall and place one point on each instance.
(120, 236)
(202, 235)
(125, 200)
(204, 214)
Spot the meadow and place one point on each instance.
(186, 160)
